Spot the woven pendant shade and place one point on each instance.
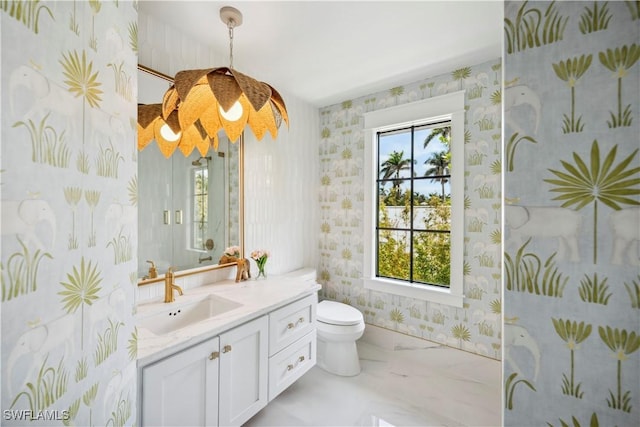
(200, 103)
(197, 94)
(150, 123)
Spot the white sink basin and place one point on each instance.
(181, 316)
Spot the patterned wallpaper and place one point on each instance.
(68, 176)
(572, 218)
(477, 326)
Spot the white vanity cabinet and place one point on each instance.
(243, 372)
(227, 379)
(222, 381)
(182, 389)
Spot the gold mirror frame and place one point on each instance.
(198, 270)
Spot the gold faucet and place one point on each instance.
(170, 286)
(153, 272)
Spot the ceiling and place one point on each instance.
(325, 52)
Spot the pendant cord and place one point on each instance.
(230, 25)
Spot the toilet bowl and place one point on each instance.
(338, 327)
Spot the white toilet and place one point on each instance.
(338, 327)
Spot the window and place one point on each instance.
(200, 186)
(413, 222)
(415, 192)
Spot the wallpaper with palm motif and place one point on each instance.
(572, 213)
(69, 214)
(476, 327)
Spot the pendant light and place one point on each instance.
(201, 102)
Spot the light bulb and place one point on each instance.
(168, 134)
(234, 113)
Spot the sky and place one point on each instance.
(402, 142)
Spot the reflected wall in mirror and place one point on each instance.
(188, 207)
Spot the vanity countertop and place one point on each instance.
(257, 297)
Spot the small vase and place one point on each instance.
(261, 273)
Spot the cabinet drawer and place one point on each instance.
(291, 363)
(290, 323)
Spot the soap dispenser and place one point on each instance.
(153, 273)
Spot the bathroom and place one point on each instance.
(78, 244)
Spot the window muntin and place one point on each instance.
(413, 222)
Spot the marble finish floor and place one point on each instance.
(419, 383)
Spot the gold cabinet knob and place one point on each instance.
(214, 355)
(301, 359)
(226, 348)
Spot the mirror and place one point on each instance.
(188, 207)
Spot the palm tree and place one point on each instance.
(570, 72)
(596, 181)
(444, 133)
(620, 60)
(392, 167)
(439, 165)
(573, 333)
(622, 344)
(81, 289)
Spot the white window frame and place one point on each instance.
(445, 107)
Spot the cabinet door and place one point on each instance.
(243, 372)
(182, 389)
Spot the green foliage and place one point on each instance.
(48, 387)
(531, 28)
(511, 149)
(461, 332)
(108, 161)
(596, 181)
(132, 345)
(620, 60)
(82, 287)
(89, 396)
(80, 78)
(438, 317)
(82, 369)
(107, 342)
(510, 387)
(634, 292)
(122, 81)
(595, 19)
(594, 291)
(73, 410)
(120, 414)
(21, 272)
(82, 162)
(622, 344)
(122, 249)
(523, 274)
(570, 72)
(573, 333)
(575, 423)
(46, 145)
(25, 11)
(133, 35)
(396, 315)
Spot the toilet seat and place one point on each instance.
(335, 313)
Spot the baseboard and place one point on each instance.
(393, 340)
